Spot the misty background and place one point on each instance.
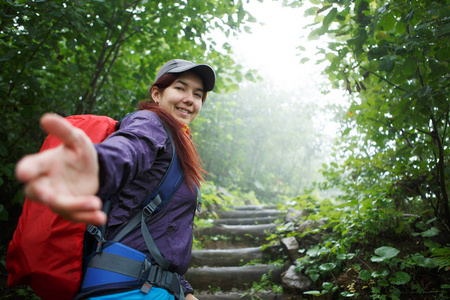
(273, 133)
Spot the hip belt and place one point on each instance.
(119, 267)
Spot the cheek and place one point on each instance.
(199, 106)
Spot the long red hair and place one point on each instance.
(190, 161)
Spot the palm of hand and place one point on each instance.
(64, 178)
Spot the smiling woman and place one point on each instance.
(126, 169)
(183, 99)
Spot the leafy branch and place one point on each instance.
(382, 78)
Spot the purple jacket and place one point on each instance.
(133, 160)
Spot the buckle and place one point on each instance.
(93, 230)
(151, 206)
(146, 287)
(148, 210)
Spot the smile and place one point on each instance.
(184, 111)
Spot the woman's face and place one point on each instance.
(183, 98)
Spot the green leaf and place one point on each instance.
(314, 293)
(316, 33)
(388, 21)
(329, 18)
(409, 66)
(314, 251)
(344, 256)
(433, 231)
(383, 282)
(384, 253)
(424, 92)
(386, 65)
(327, 285)
(380, 274)
(327, 266)
(400, 278)
(314, 277)
(311, 11)
(365, 275)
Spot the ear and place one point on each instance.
(155, 93)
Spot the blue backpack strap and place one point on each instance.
(171, 181)
(199, 197)
(154, 203)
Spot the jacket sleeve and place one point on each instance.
(187, 289)
(128, 152)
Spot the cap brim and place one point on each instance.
(205, 72)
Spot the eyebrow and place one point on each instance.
(185, 83)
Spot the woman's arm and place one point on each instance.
(64, 178)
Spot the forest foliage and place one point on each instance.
(389, 229)
(97, 57)
(391, 160)
(392, 57)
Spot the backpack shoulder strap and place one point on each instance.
(155, 202)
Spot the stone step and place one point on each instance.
(239, 214)
(225, 257)
(243, 295)
(227, 242)
(228, 278)
(254, 207)
(245, 221)
(234, 256)
(236, 231)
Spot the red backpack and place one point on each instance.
(46, 251)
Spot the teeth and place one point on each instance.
(182, 110)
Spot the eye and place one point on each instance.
(198, 95)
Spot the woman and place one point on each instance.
(73, 178)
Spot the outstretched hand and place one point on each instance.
(65, 178)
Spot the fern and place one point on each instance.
(441, 258)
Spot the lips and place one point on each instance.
(184, 111)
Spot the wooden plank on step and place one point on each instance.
(245, 221)
(236, 231)
(244, 296)
(250, 214)
(225, 257)
(227, 278)
(254, 207)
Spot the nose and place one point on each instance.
(189, 99)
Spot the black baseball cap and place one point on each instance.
(205, 72)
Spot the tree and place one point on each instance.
(393, 58)
(73, 57)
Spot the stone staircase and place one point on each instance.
(220, 271)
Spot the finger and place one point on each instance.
(33, 165)
(61, 129)
(85, 209)
(56, 125)
(95, 218)
(38, 190)
(74, 203)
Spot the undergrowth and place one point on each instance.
(368, 252)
